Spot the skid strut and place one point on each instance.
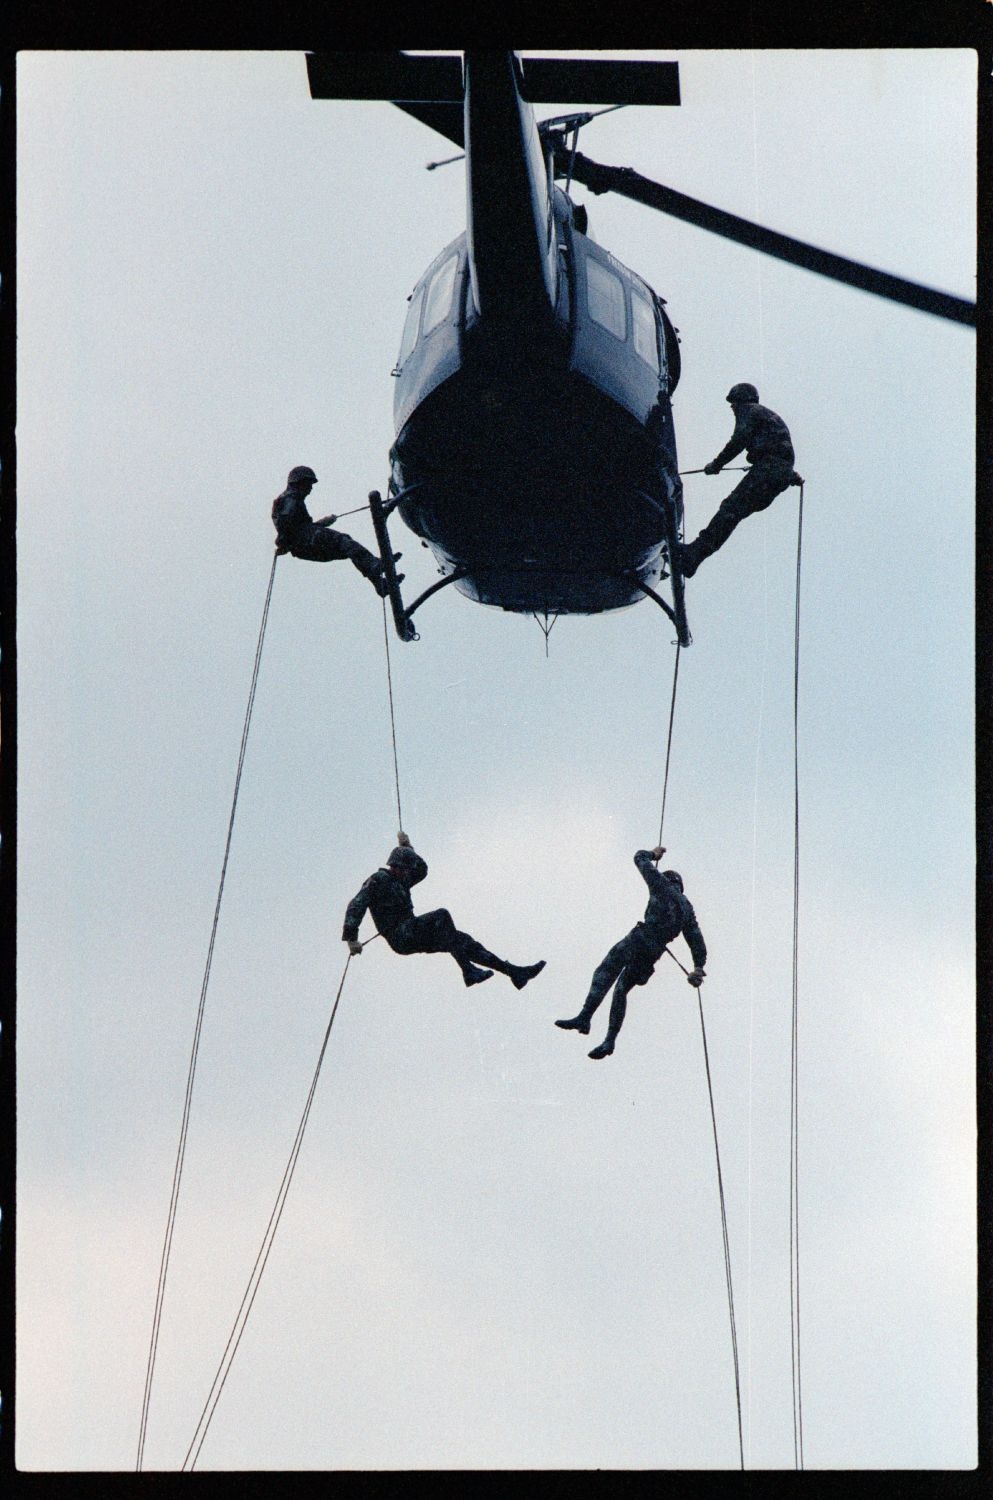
(401, 619)
(677, 612)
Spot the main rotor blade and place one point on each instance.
(631, 184)
(555, 80)
(447, 119)
(431, 88)
(385, 75)
(408, 79)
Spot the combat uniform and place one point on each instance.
(766, 437)
(386, 896)
(301, 536)
(631, 961)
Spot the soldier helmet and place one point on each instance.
(743, 391)
(300, 473)
(402, 859)
(674, 876)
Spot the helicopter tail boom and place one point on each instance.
(513, 262)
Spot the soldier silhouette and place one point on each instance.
(632, 960)
(386, 895)
(770, 452)
(314, 541)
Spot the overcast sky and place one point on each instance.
(495, 1253)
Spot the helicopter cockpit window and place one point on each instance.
(410, 326)
(439, 303)
(645, 339)
(605, 298)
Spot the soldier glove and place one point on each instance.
(354, 946)
(696, 978)
(712, 468)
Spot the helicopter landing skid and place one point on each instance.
(401, 616)
(677, 611)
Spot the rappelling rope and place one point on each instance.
(710, 1092)
(724, 1222)
(672, 707)
(184, 1128)
(794, 1100)
(393, 726)
(668, 747)
(241, 1317)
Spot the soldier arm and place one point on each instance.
(355, 911)
(279, 521)
(730, 450)
(694, 939)
(646, 865)
(737, 443)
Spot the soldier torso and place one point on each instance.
(389, 900)
(290, 515)
(766, 435)
(665, 915)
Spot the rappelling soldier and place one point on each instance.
(769, 452)
(386, 896)
(300, 536)
(632, 961)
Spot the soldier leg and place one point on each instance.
(618, 1010)
(326, 545)
(436, 932)
(604, 976)
(756, 491)
(319, 545)
(468, 950)
(367, 563)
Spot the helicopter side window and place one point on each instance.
(439, 301)
(409, 338)
(605, 298)
(645, 338)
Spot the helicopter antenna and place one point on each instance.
(545, 628)
(447, 162)
(577, 121)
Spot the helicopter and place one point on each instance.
(534, 449)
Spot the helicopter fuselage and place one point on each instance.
(532, 403)
(528, 449)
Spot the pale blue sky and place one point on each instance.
(495, 1252)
